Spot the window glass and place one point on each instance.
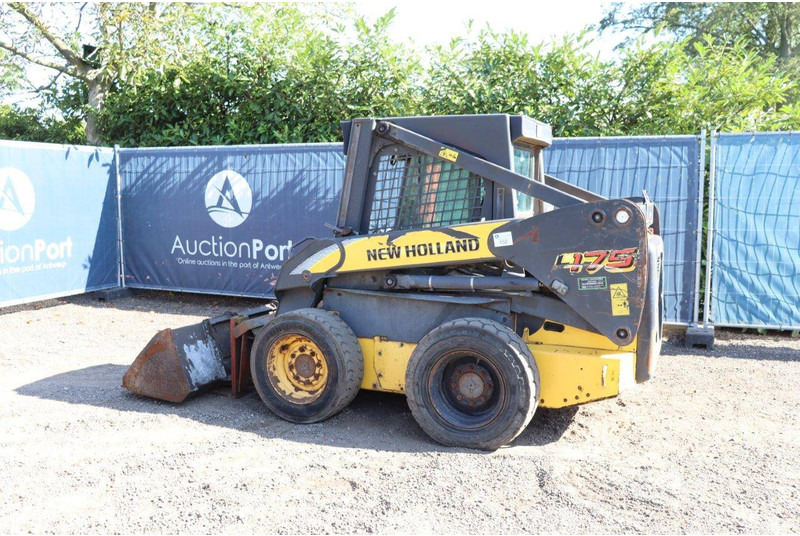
(524, 163)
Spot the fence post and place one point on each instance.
(697, 335)
(712, 198)
(701, 182)
(120, 249)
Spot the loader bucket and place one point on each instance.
(178, 363)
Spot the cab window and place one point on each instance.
(524, 163)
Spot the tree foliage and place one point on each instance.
(96, 44)
(276, 73)
(30, 125)
(285, 78)
(772, 29)
(657, 89)
(564, 84)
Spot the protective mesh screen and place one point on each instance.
(414, 191)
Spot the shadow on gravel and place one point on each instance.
(167, 302)
(375, 421)
(737, 350)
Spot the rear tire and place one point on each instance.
(472, 383)
(307, 365)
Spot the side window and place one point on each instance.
(415, 191)
(523, 164)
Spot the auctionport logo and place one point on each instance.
(229, 198)
(17, 199)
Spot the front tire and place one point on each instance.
(472, 383)
(307, 365)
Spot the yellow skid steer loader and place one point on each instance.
(459, 274)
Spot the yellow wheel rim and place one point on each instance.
(297, 369)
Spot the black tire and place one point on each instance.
(340, 351)
(446, 396)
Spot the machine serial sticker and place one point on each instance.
(502, 239)
(619, 300)
(448, 154)
(610, 260)
(592, 283)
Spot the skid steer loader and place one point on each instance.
(458, 274)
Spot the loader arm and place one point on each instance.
(553, 190)
(573, 250)
(567, 250)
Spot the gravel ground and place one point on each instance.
(711, 445)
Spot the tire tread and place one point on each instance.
(525, 365)
(351, 370)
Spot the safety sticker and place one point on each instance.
(619, 300)
(503, 239)
(448, 154)
(592, 283)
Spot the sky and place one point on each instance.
(437, 21)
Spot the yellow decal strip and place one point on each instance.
(469, 242)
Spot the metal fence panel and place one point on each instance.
(756, 230)
(58, 221)
(222, 219)
(668, 168)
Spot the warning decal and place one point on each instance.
(448, 154)
(619, 299)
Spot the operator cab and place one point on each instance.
(407, 189)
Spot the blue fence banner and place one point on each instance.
(756, 230)
(222, 220)
(58, 221)
(668, 167)
(192, 214)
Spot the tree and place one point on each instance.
(108, 42)
(769, 28)
(562, 83)
(662, 88)
(281, 73)
(267, 74)
(725, 86)
(31, 125)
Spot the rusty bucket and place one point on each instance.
(178, 363)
